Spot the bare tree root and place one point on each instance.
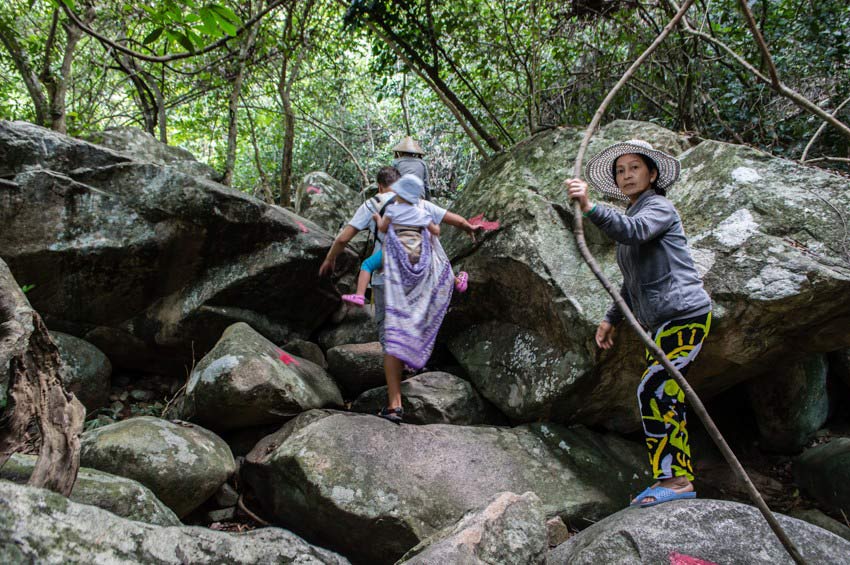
(657, 353)
(38, 394)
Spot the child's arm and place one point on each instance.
(434, 228)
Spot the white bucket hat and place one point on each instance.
(599, 170)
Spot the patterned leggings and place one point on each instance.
(662, 402)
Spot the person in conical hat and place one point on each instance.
(662, 286)
(408, 160)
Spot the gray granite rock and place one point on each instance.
(88, 370)
(183, 464)
(510, 530)
(38, 526)
(712, 530)
(823, 472)
(357, 367)
(246, 381)
(434, 398)
(112, 226)
(339, 478)
(790, 403)
(121, 496)
(325, 201)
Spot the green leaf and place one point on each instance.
(227, 27)
(152, 36)
(210, 26)
(182, 39)
(226, 13)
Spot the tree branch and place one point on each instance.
(174, 56)
(765, 52)
(795, 97)
(819, 131)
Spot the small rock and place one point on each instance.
(226, 496)
(823, 472)
(223, 515)
(142, 395)
(308, 350)
(434, 398)
(508, 531)
(357, 367)
(557, 531)
(88, 370)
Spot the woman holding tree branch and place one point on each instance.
(663, 288)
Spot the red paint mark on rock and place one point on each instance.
(314, 190)
(287, 358)
(485, 225)
(302, 227)
(681, 559)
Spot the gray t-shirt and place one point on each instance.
(414, 166)
(362, 219)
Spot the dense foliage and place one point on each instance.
(332, 84)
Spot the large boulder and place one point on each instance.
(434, 398)
(823, 472)
(510, 530)
(357, 367)
(711, 530)
(325, 201)
(88, 370)
(150, 264)
(247, 381)
(839, 365)
(139, 145)
(121, 496)
(181, 463)
(340, 478)
(760, 231)
(38, 526)
(790, 403)
(349, 324)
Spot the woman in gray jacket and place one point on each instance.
(662, 287)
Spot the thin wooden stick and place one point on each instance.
(819, 131)
(655, 350)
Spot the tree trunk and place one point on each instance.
(19, 57)
(245, 50)
(288, 139)
(38, 410)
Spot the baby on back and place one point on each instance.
(409, 220)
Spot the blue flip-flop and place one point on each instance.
(662, 494)
(639, 497)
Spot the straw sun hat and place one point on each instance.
(408, 145)
(599, 170)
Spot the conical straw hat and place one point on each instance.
(408, 145)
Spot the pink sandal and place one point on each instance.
(357, 299)
(461, 281)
